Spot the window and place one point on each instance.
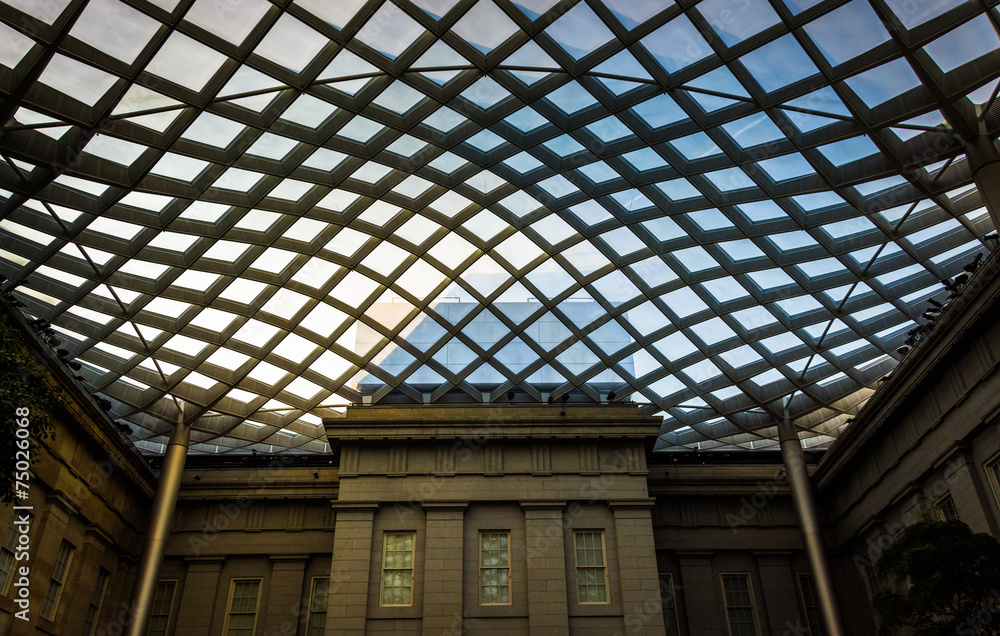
(159, 615)
(96, 599)
(945, 510)
(811, 605)
(59, 572)
(739, 605)
(669, 604)
(872, 584)
(397, 568)
(494, 568)
(591, 572)
(7, 558)
(993, 472)
(242, 617)
(317, 606)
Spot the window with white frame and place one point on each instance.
(318, 598)
(993, 473)
(163, 602)
(397, 568)
(810, 603)
(591, 567)
(945, 510)
(494, 568)
(96, 600)
(740, 611)
(241, 618)
(59, 572)
(669, 603)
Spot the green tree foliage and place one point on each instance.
(939, 578)
(22, 384)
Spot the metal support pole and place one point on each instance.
(812, 534)
(159, 527)
(984, 162)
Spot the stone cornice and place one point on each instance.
(489, 422)
(82, 412)
(979, 302)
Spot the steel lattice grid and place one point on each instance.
(268, 210)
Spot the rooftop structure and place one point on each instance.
(267, 212)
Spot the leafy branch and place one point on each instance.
(24, 382)
(939, 578)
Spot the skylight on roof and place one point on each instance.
(847, 32)
(455, 197)
(579, 32)
(485, 26)
(662, 45)
(779, 64)
(733, 27)
(390, 31)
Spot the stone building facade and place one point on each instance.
(511, 519)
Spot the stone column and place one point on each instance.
(779, 589)
(285, 604)
(347, 611)
(89, 557)
(443, 568)
(548, 611)
(701, 591)
(116, 600)
(970, 494)
(637, 569)
(201, 589)
(48, 528)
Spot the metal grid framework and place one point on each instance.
(268, 210)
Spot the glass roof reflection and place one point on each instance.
(292, 207)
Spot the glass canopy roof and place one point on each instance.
(269, 210)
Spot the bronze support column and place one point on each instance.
(812, 533)
(159, 528)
